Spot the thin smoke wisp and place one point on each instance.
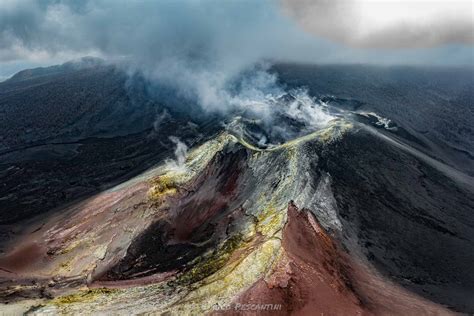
(180, 155)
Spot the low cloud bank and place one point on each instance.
(386, 24)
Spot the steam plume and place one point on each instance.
(180, 154)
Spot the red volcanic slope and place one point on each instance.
(316, 277)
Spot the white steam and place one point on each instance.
(160, 118)
(306, 109)
(180, 156)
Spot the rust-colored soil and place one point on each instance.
(315, 276)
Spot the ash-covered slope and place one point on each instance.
(72, 130)
(69, 102)
(433, 105)
(350, 217)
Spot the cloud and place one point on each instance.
(220, 38)
(204, 31)
(386, 24)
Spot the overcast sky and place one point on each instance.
(226, 35)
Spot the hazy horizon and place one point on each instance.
(226, 37)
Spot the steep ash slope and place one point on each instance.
(432, 104)
(414, 223)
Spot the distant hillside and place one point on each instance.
(71, 101)
(71, 66)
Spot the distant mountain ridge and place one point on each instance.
(63, 103)
(70, 66)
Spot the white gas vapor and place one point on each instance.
(180, 154)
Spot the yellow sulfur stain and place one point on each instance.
(208, 266)
(229, 281)
(85, 296)
(271, 221)
(162, 186)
